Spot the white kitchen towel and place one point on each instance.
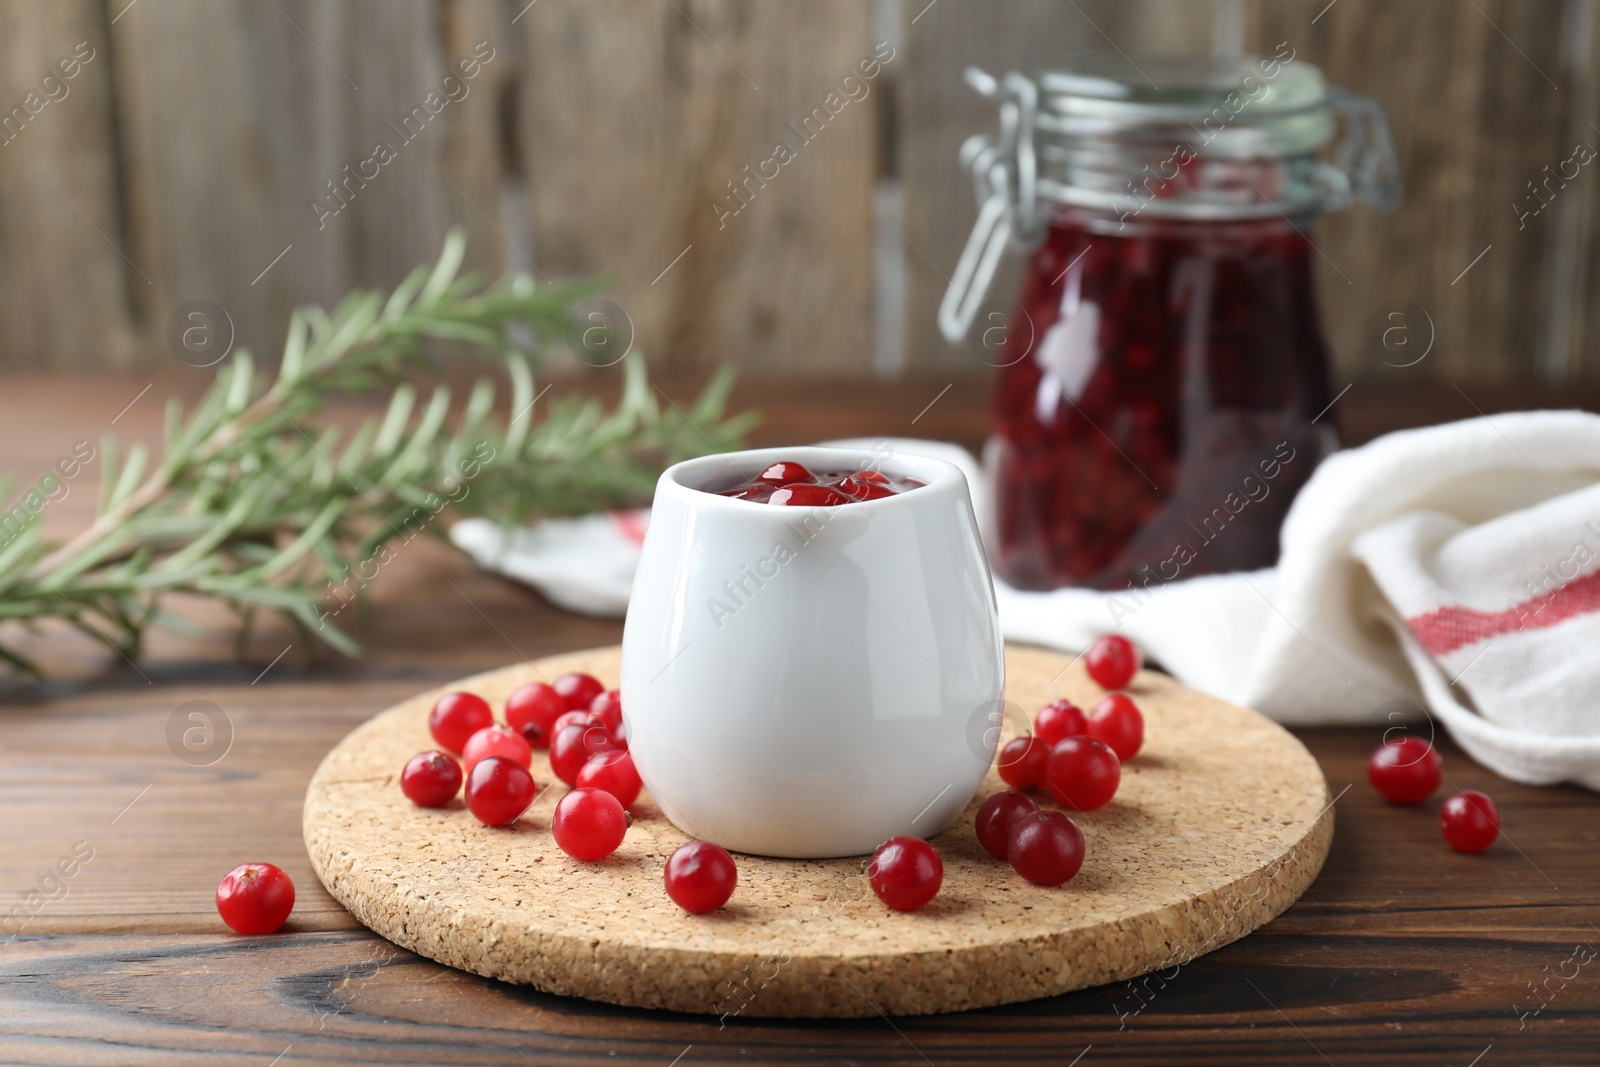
(1457, 564)
(585, 564)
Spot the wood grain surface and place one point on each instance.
(248, 129)
(1481, 97)
(650, 135)
(64, 288)
(940, 111)
(604, 134)
(1401, 952)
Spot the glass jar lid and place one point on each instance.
(1206, 139)
(1235, 107)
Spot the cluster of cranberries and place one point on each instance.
(580, 722)
(1407, 771)
(1078, 757)
(791, 484)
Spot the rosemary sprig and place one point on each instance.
(252, 504)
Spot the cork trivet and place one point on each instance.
(1221, 822)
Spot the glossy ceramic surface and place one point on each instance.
(810, 681)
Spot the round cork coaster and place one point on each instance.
(1221, 822)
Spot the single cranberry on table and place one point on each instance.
(608, 708)
(1022, 762)
(613, 772)
(1083, 773)
(996, 816)
(576, 744)
(578, 690)
(431, 779)
(589, 824)
(700, 877)
(1117, 721)
(1058, 720)
(456, 717)
(532, 710)
(905, 872)
(1046, 848)
(1405, 771)
(1469, 821)
(499, 790)
(497, 740)
(1112, 661)
(255, 898)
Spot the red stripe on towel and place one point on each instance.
(1446, 629)
(631, 524)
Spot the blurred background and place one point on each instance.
(223, 150)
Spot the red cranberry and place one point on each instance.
(862, 489)
(532, 710)
(589, 719)
(576, 744)
(499, 790)
(497, 741)
(700, 877)
(582, 717)
(1405, 771)
(784, 472)
(578, 690)
(757, 492)
(613, 772)
(996, 816)
(905, 872)
(456, 717)
(1059, 719)
(1116, 721)
(808, 496)
(589, 824)
(816, 488)
(1469, 821)
(1022, 762)
(1112, 661)
(255, 898)
(1083, 773)
(1046, 847)
(608, 708)
(431, 779)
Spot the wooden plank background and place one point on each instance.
(184, 160)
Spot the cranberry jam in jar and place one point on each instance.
(1163, 378)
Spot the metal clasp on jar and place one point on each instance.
(1005, 178)
(1007, 184)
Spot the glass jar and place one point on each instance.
(1162, 372)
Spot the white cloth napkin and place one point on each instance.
(1458, 565)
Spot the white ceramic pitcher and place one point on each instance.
(811, 681)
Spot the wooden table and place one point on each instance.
(1402, 952)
